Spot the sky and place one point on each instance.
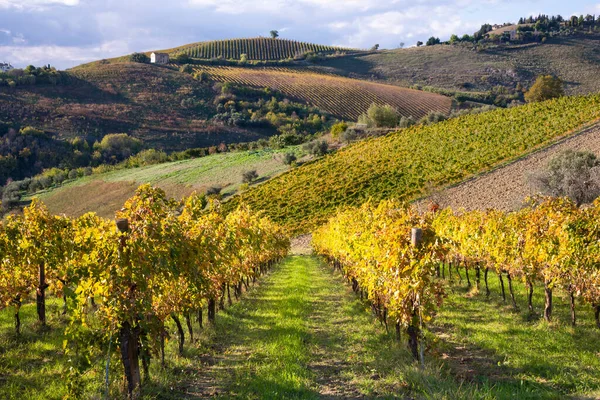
(66, 33)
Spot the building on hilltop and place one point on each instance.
(159, 58)
(5, 67)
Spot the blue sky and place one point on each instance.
(66, 33)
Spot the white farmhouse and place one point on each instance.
(5, 67)
(159, 58)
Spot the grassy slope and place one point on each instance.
(106, 193)
(402, 164)
(302, 334)
(574, 59)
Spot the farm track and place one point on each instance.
(300, 334)
(507, 187)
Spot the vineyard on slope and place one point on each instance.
(122, 281)
(342, 97)
(400, 165)
(260, 49)
(551, 242)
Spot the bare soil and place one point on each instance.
(507, 187)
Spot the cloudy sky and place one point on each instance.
(66, 33)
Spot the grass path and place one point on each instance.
(300, 334)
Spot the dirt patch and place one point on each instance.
(103, 198)
(301, 245)
(507, 187)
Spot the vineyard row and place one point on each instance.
(394, 255)
(122, 281)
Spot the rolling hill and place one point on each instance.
(261, 49)
(139, 99)
(404, 164)
(479, 69)
(171, 110)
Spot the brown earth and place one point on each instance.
(506, 187)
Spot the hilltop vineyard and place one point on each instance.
(400, 165)
(260, 49)
(342, 97)
(122, 282)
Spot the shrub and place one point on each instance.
(316, 148)
(118, 146)
(572, 174)
(72, 174)
(338, 129)
(187, 68)
(433, 118)
(349, 136)
(546, 87)
(213, 191)
(383, 116)
(182, 58)
(289, 158)
(406, 122)
(249, 176)
(139, 58)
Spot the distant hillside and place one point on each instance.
(342, 97)
(403, 164)
(143, 100)
(465, 67)
(261, 49)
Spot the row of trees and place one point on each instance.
(30, 75)
(122, 281)
(551, 242)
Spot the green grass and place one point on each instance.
(545, 360)
(178, 178)
(301, 333)
(402, 165)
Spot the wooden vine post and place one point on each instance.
(129, 335)
(416, 239)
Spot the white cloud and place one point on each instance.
(389, 28)
(70, 56)
(36, 5)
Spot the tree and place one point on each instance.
(401, 45)
(454, 39)
(432, 41)
(274, 34)
(571, 174)
(546, 87)
(419, 43)
(383, 116)
(375, 47)
(139, 58)
(338, 129)
(183, 58)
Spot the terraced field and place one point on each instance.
(403, 164)
(343, 97)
